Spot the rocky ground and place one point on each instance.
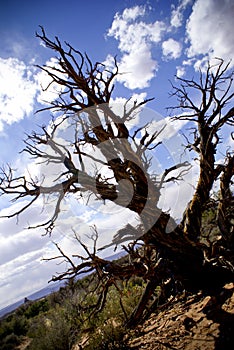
(195, 322)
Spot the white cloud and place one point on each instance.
(169, 127)
(210, 29)
(171, 49)
(136, 38)
(137, 68)
(177, 13)
(180, 71)
(49, 91)
(21, 269)
(21, 86)
(132, 13)
(176, 196)
(17, 91)
(118, 104)
(22, 279)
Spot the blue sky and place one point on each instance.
(153, 41)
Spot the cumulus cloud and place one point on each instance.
(48, 90)
(176, 196)
(177, 13)
(136, 38)
(136, 73)
(171, 49)
(210, 29)
(21, 87)
(180, 71)
(17, 90)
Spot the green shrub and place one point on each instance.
(10, 342)
(108, 337)
(107, 332)
(13, 325)
(20, 325)
(36, 307)
(53, 332)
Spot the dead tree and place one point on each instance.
(84, 102)
(210, 114)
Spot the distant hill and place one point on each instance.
(37, 295)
